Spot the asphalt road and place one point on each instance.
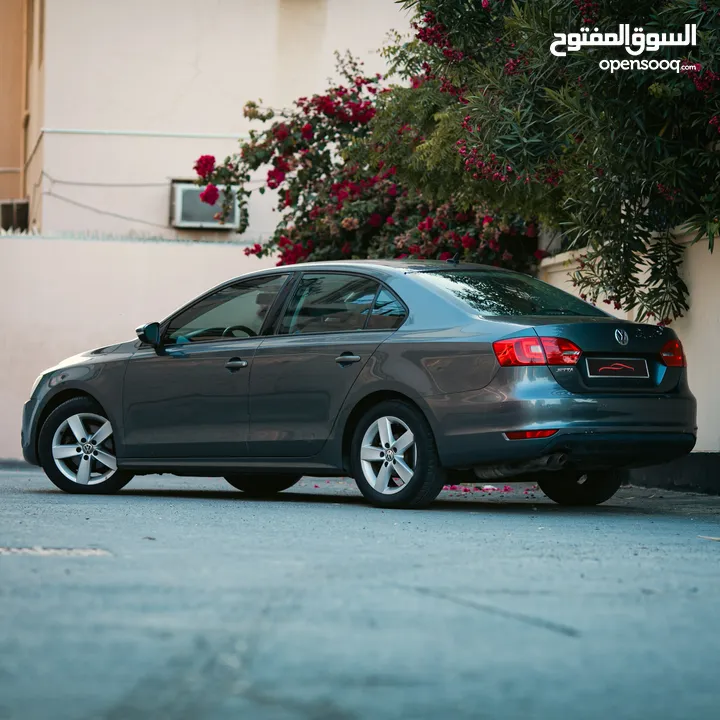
(181, 599)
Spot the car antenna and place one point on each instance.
(455, 259)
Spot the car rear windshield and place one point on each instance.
(494, 292)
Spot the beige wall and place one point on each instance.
(59, 297)
(12, 52)
(177, 66)
(699, 332)
(35, 110)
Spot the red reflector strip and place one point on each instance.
(529, 434)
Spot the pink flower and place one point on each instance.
(204, 165)
(210, 194)
(485, 4)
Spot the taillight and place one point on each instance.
(529, 434)
(536, 351)
(560, 351)
(672, 354)
(520, 351)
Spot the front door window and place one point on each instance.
(233, 312)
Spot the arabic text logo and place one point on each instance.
(635, 43)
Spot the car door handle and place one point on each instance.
(234, 364)
(347, 358)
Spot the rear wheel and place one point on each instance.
(394, 458)
(578, 488)
(262, 485)
(76, 449)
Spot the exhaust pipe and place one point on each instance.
(547, 463)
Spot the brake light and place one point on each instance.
(536, 351)
(672, 354)
(529, 434)
(560, 351)
(520, 351)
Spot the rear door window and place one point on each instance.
(388, 313)
(329, 302)
(495, 292)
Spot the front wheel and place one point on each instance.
(578, 488)
(394, 458)
(76, 449)
(262, 485)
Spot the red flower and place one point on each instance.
(210, 194)
(392, 190)
(275, 177)
(540, 254)
(204, 165)
(375, 220)
(414, 249)
(281, 132)
(468, 242)
(389, 220)
(487, 220)
(346, 249)
(531, 231)
(445, 255)
(307, 131)
(256, 249)
(402, 257)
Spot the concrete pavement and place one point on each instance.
(180, 598)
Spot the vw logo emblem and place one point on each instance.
(621, 336)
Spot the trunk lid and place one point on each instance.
(617, 356)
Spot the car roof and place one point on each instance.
(403, 266)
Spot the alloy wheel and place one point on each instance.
(83, 449)
(388, 455)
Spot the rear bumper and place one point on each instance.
(628, 430)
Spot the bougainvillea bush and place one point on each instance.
(338, 200)
(616, 161)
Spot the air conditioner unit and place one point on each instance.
(14, 215)
(189, 212)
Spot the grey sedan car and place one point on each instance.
(403, 374)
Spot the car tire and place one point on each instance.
(581, 489)
(262, 485)
(74, 445)
(413, 477)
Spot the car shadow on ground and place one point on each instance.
(526, 506)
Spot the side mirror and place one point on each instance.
(149, 333)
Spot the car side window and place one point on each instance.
(235, 311)
(329, 302)
(388, 312)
